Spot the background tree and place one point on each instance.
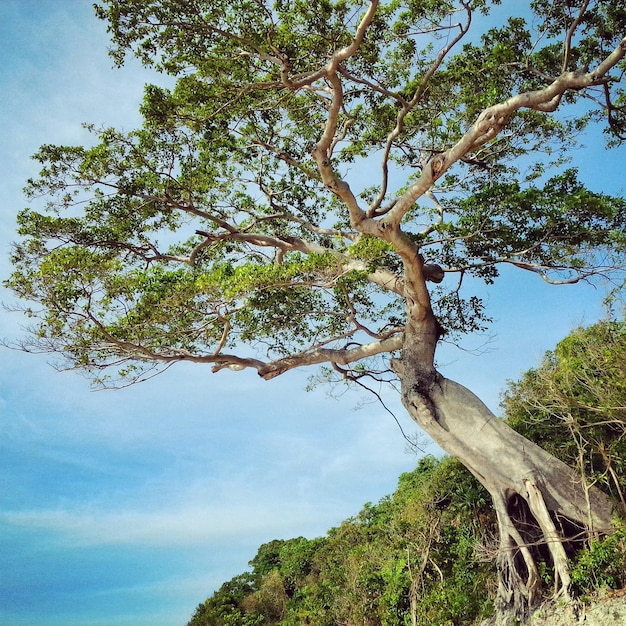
(316, 165)
(412, 558)
(574, 404)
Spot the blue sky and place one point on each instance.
(130, 507)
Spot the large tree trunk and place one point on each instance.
(527, 484)
(537, 498)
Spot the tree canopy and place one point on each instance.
(306, 148)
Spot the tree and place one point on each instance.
(575, 402)
(224, 606)
(316, 189)
(411, 558)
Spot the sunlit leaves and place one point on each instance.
(574, 403)
(210, 226)
(551, 226)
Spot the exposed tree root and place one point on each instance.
(540, 512)
(519, 584)
(517, 590)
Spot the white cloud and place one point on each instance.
(189, 525)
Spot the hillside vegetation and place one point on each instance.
(426, 554)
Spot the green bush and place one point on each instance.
(603, 564)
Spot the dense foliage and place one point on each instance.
(424, 555)
(271, 190)
(574, 404)
(410, 557)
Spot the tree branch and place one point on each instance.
(330, 355)
(567, 48)
(407, 107)
(340, 55)
(491, 122)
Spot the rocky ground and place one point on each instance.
(606, 609)
(609, 610)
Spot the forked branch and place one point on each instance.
(493, 120)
